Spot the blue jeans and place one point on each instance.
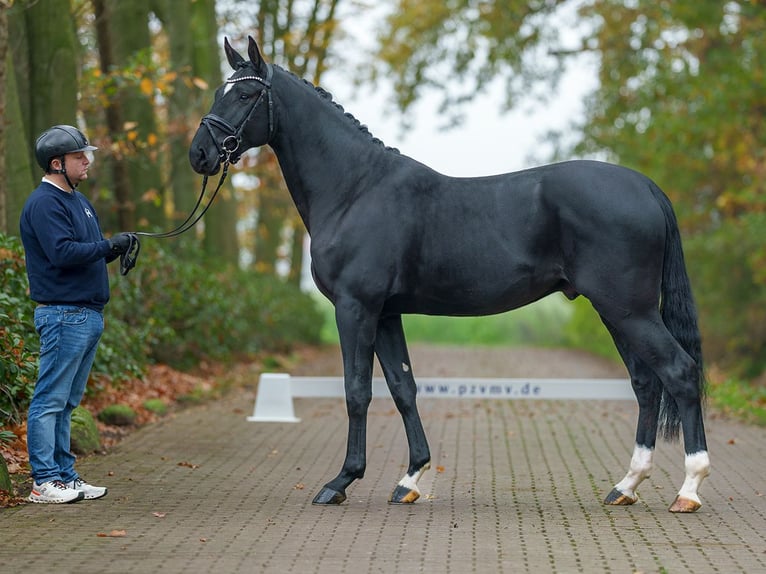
(69, 337)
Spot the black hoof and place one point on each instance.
(403, 495)
(329, 496)
(617, 498)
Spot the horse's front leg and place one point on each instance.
(356, 328)
(391, 348)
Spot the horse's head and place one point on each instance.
(241, 116)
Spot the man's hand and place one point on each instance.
(120, 243)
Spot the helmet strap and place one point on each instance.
(63, 172)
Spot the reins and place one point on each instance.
(226, 150)
(129, 258)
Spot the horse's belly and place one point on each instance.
(471, 300)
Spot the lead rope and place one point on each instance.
(130, 257)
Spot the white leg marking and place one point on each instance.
(697, 468)
(640, 468)
(410, 481)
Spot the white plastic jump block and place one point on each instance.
(274, 400)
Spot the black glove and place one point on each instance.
(120, 243)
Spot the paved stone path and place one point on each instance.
(515, 487)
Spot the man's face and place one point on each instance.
(77, 165)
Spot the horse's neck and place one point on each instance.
(324, 156)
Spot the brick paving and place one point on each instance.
(515, 487)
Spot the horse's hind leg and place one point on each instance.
(658, 349)
(648, 389)
(391, 348)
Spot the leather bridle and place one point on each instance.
(228, 146)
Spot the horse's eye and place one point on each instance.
(244, 97)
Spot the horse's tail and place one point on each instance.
(678, 313)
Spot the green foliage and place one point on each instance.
(156, 406)
(472, 45)
(741, 399)
(18, 343)
(180, 312)
(728, 268)
(119, 415)
(5, 479)
(586, 331)
(7, 436)
(541, 324)
(85, 437)
(681, 98)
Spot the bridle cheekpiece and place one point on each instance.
(230, 144)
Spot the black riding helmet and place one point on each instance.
(57, 142)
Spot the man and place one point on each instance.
(66, 256)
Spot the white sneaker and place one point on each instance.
(54, 492)
(89, 491)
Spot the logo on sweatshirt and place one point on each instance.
(88, 213)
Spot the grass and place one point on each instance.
(540, 324)
(743, 400)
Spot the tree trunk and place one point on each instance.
(19, 177)
(36, 98)
(52, 56)
(4, 65)
(305, 52)
(125, 206)
(131, 47)
(220, 240)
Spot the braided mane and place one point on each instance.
(327, 96)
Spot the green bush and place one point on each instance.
(119, 415)
(19, 344)
(85, 437)
(586, 331)
(156, 406)
(181, 312)
(728, 272)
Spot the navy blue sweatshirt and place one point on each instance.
(65, 251)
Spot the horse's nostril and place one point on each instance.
(198, 159)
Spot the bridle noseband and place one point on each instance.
(233, 135)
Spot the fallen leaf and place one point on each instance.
(299, 486)
(203, 539)
(732, 441)
(160, 514)
(439, 468)
(188, 465)
(113, 534)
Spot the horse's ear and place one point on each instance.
(255, 53)
(232, 55)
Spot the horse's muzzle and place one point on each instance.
(202, 162)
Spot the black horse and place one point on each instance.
(391, 236)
